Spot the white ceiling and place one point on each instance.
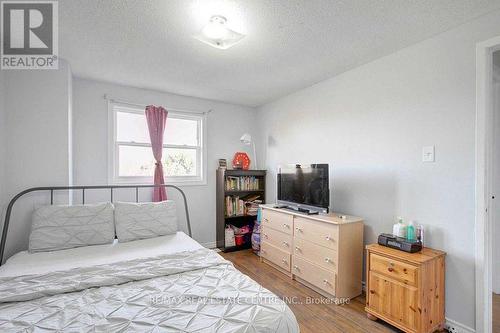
(290, 44)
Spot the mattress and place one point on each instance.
(165, 284)
(24, 262)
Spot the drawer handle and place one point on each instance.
(297, 248)
(390, 269)
(325, 281)
(296, 267)
(285, 225)
(328, 259)
(284, 261)
(266, 236)
(298, 229)
(372, 292)
(266, 220)
(285, 243)
(328, 238)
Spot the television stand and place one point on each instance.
(324, 252)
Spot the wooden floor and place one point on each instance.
(316, 318)
(496, 313)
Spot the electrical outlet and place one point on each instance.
(452, 326)
(428, 154)
(451, 329)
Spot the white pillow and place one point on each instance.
(63, 227)
(145, 220)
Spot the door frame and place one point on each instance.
(483, 181)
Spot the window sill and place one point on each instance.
(147, 181)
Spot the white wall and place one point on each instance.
(3, 146)
(37, 105)
(70, 128)
(496, 175)
(226, 123)
(370, 125)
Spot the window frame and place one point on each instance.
(114, 144)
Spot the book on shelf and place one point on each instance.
(252, 207)
(247, 205)
(242, 183)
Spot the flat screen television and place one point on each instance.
(304, 187)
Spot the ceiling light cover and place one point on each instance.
(217, 34)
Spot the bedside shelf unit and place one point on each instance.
(238, 220)
(406, 289)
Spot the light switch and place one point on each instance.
(428, 154)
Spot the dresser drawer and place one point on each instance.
(394, 269)
(277, 221)
(314, 274)
(277, 238)
(321, 256)
(320, 233)
(275, 255)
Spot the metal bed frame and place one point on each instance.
(52, 189)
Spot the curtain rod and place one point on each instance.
(106, 97)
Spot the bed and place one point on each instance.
(163, 284)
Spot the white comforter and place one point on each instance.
(191, 291)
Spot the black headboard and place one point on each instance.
(82, 188)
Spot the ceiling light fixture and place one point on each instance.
(217, 34)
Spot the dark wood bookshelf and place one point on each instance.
(237, 247)
(239, 216)
(234, 192)
(237, 220)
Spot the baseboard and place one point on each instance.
(455, 327)
(210, 245)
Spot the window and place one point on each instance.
(131, 157)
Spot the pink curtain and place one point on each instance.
(156, 117)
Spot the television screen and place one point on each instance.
(304, 184)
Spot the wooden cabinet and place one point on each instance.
(406, 289)
(324, 252)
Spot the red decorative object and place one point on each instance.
(241, 161)
(239, 240)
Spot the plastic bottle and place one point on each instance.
(399, 229)
(410, 231)
(395, 228)
(420, 234)
(402, 230)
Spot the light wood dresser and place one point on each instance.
(406, 289)
(324, 252)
